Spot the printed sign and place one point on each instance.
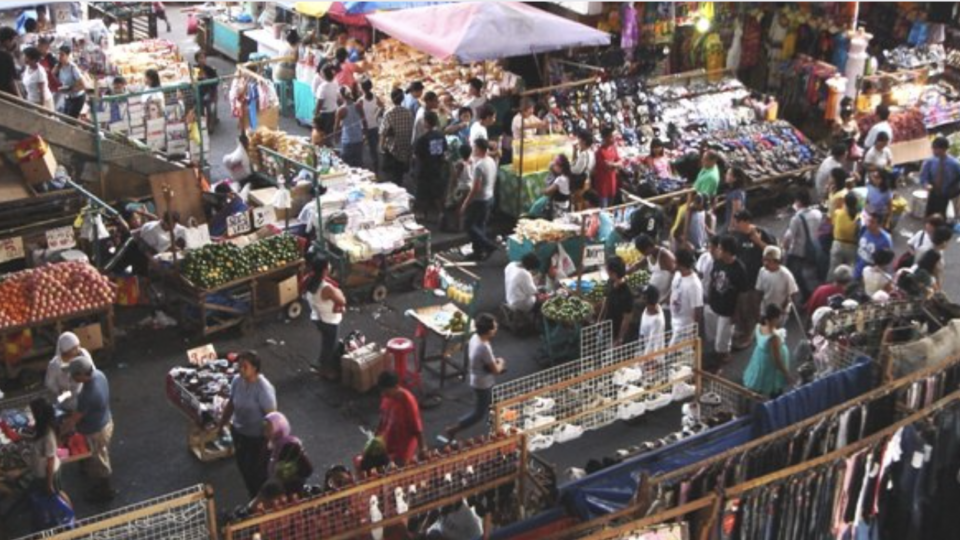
(61, 238)
(202, 355)
(263, 216)
(238, 224)
(594, 255)
(11, 249)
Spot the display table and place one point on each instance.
(515, 194)
(517, 248)
(230, 39)
(433, 320)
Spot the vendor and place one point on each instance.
(659, 261)
(520, 285)
(527, 119)
(232, 205)
(57, 379)
(618, 305)
(154, 236)
(555, 199)
(287, 70)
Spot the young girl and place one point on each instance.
(46, 464)
(879, 195)
(559, 189)
(658, 160)
(653, 324)
(736, 181)
(768, 372)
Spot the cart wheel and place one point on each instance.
(294, 310)
(379, 293)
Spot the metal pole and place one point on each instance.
(94, 105)
(520, 172)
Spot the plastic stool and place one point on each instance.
(400, 348)
(285, 94)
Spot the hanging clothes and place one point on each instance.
(630, 35)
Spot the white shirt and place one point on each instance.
(475, 105)
(486, 171)
(419, 124)
(585, 162)
(871, 138)
(686, 296)
(823, 179)
(652, 328)
(370, 111)
(563, 187)
(705, 268)
(920, 242)
(882, 158)
(153, 234)
(327, 93)
(320, 309)
(57, 380)
(478, 131)
(308, 216)
(777, 287)
(35, 81)
(520, 287)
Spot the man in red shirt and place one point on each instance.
(842, 275)
(400, 424)
(608, 164)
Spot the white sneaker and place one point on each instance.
(539, 442)
(683, 391)
(680, 372)
(627, 375)
(542, 405)
(631, 410)
(658, 401)
(567, 432)
(538, 420)
(628, 391)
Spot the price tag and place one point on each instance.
(61, 238)
(238, 224)
(11, 249)
(594, 255)
(263, 216)
(202, 355)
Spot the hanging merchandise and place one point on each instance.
(630, 35)
(856, 60)
(735, 53)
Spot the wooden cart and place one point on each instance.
(96, 324)
(236, 303)
(373, 279)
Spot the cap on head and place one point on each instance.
(80, 365)
(772, 253)
(67, 341)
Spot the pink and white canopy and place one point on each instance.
(476, 31)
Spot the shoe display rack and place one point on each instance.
(488, 472)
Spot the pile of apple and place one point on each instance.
(52, 291)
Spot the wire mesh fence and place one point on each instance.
(483, 470)
(617, 383)
(182, 515)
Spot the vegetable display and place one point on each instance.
(52, 291)
(638, 280)
(567, 309)
(216, 264)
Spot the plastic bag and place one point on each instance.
(565, 264)
(238, 163)
(50, 511)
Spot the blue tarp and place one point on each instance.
(540, 520)
(362, 8)
(612, 488)
(814, 398)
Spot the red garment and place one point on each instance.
(604, 176)
(400, 425)
(345, 76)
(821, 295)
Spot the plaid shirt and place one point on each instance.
(396, 132)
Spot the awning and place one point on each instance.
(313, 9)
(363, 8)
(476, 31)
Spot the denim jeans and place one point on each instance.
(483, 397)
(352, 153)
(328, 349)
(373, 145)
(475, 220)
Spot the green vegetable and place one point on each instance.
(567, 310)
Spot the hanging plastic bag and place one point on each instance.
(238, 163)
(565, 264)
(193, 25)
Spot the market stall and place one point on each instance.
(450, 321)
(228, 31)
(134, 22)
(39, 304)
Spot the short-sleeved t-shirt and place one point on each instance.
(869, 244)
(400, 425)
(430, 149)
(750, 254)
(727, 281)
(619, 305)
(486, 170)
(153, 234)
(251, 402)
(708, 182)
(686, 295)
(481, 359)
(777, 287)
(94, 403)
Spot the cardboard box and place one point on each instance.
(38, 171)
(91, 337)
(279, 293)
(361, 368)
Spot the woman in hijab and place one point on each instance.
(288, 463)
(57, 379)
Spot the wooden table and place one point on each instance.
(430, 320)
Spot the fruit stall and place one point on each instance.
(235, 282)
(38, 304)
(450, 321)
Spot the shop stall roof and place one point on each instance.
(477, 31)
(362, 8)
(312, 9)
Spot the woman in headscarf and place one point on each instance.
(288, 465)
(57, 379)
